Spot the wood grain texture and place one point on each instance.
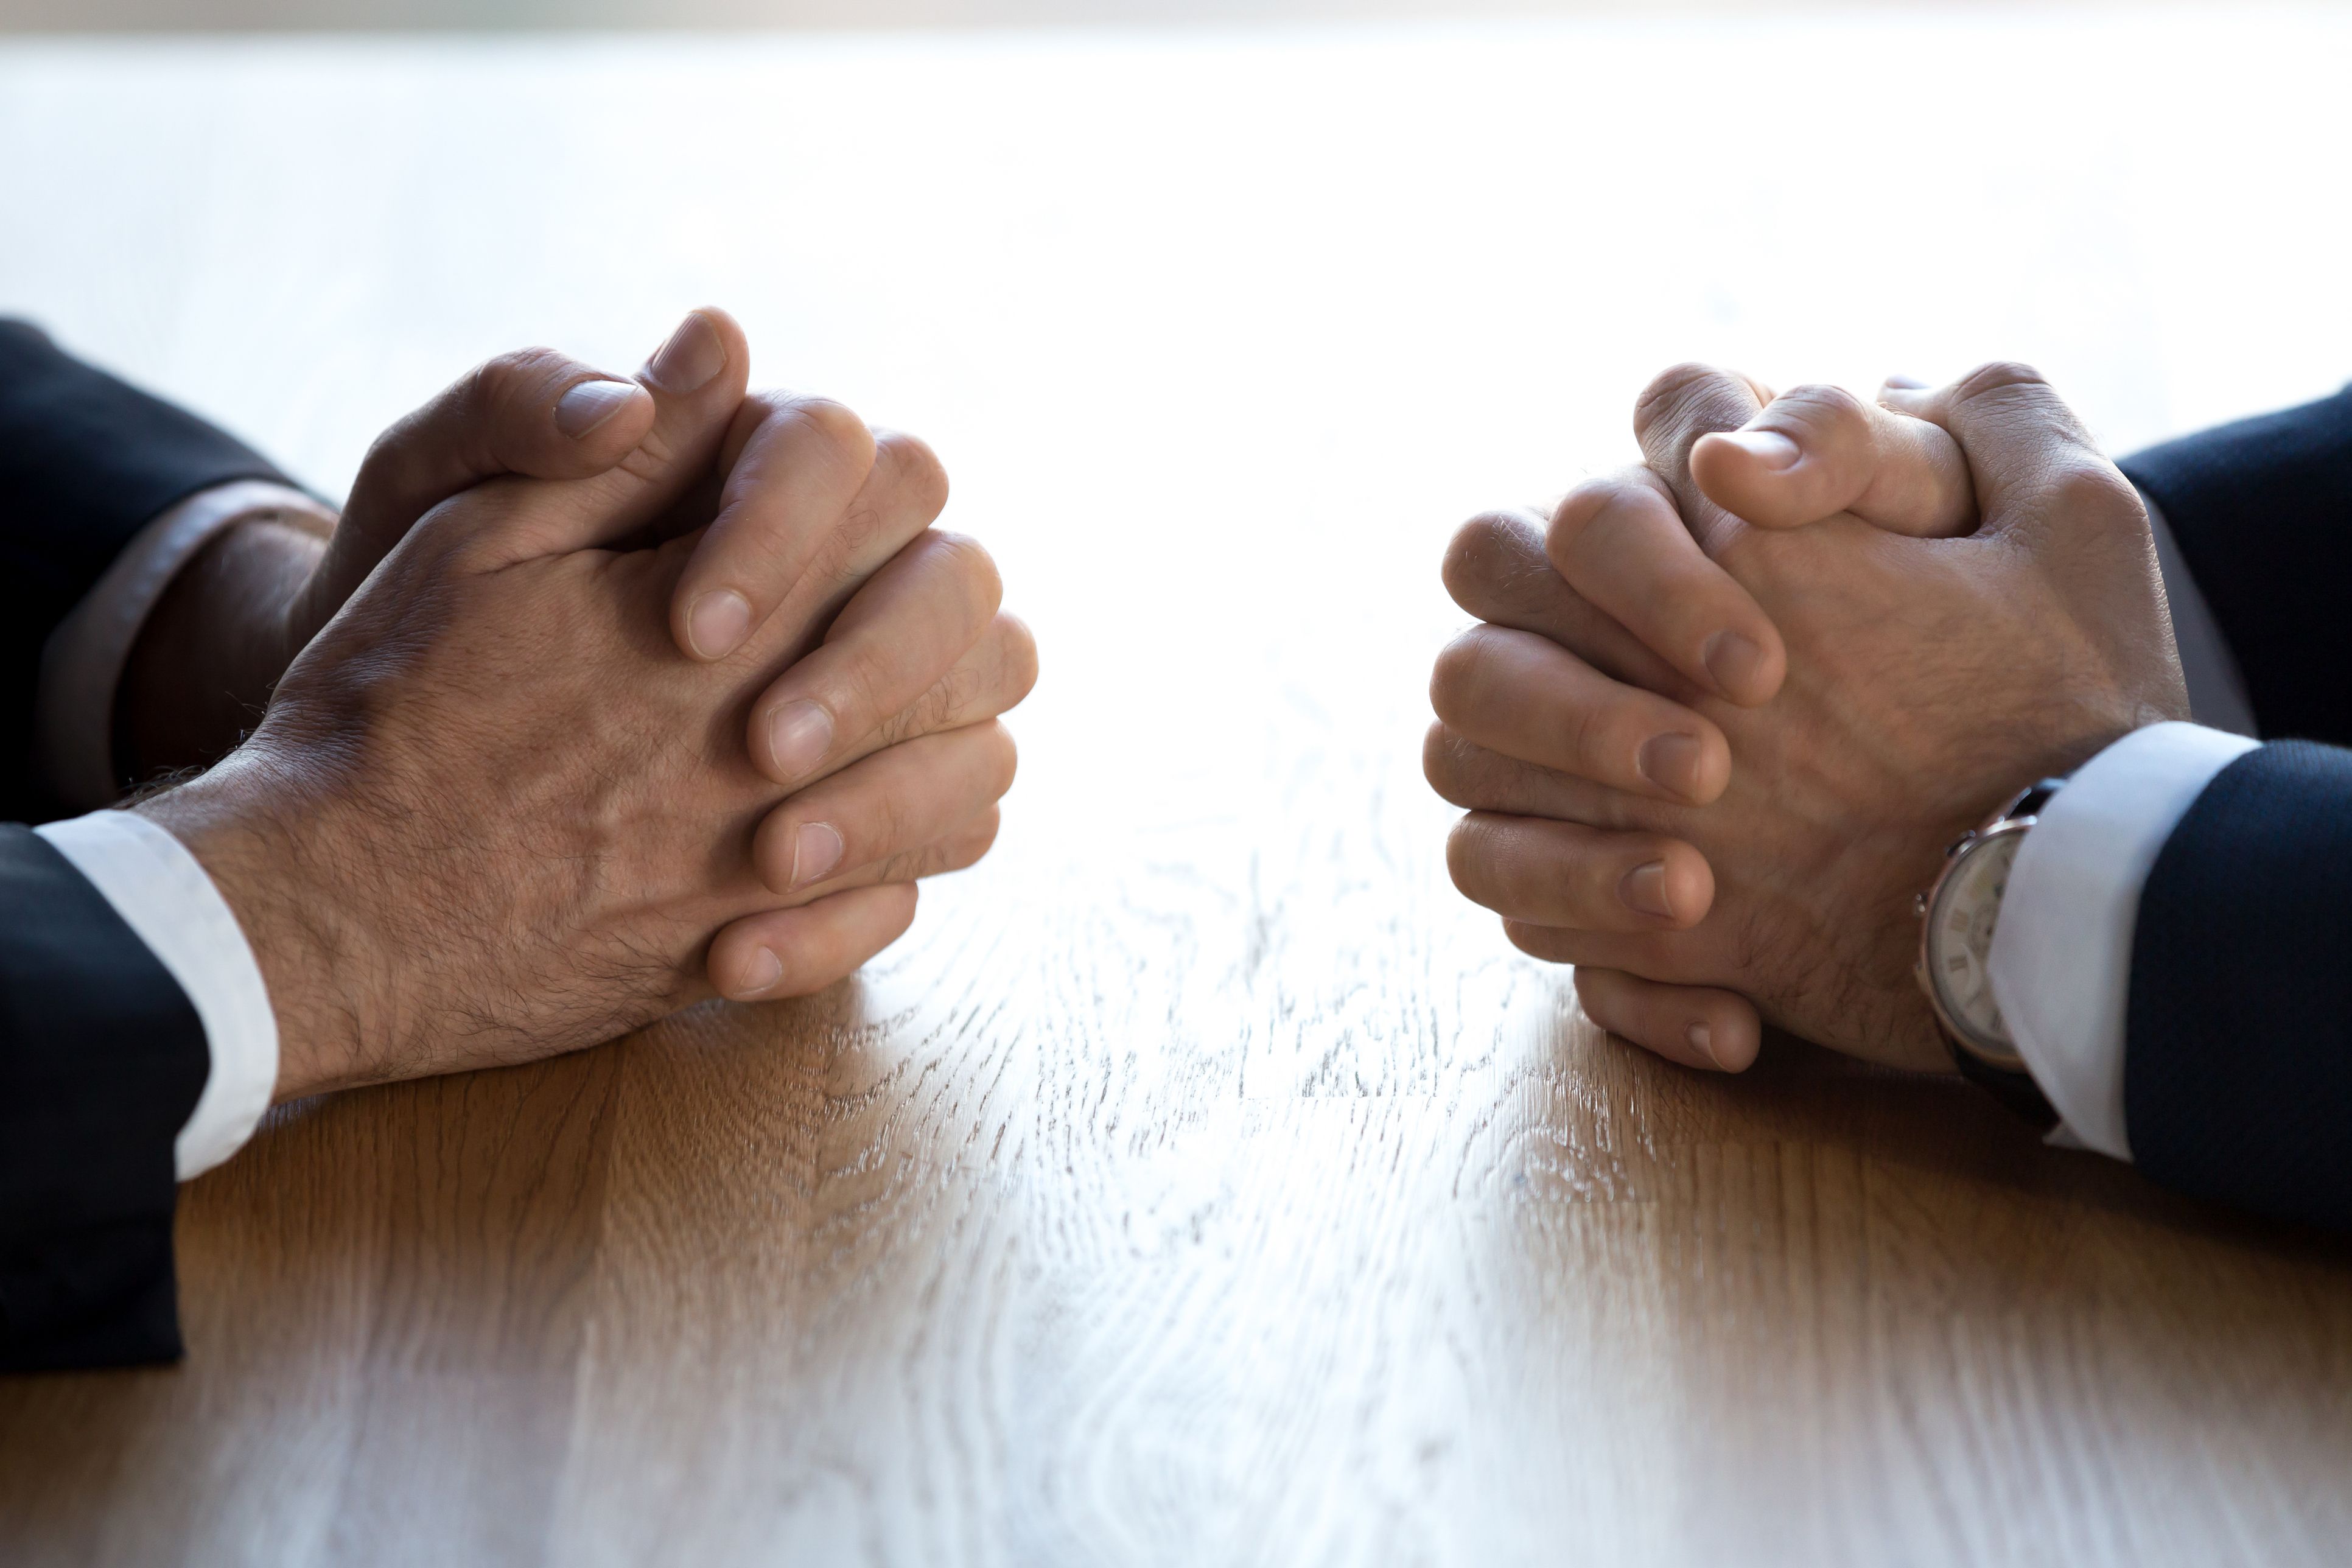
(1103, 1227)
(1202, 1182)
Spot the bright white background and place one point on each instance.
(1219, 332)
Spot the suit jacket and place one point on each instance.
(101, 1055)
(2238, 1033)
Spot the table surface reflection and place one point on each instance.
(1202, 1182)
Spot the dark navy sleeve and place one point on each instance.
(85, 463)
(101, 1060)
(102, 1054)
(2237, 1037)
(2262, 511)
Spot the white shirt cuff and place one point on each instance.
(82, 663)
(2061, 964)
(162, 892)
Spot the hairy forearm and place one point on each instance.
(268, 840)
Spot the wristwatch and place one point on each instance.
(1956, 917)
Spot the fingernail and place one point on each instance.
(1904, 382)
(1671, 762)
(766, 970)
(1735, 663)
(816, 849)
(718, 622)
(799, 735)
(589, 403)
(1702, 1040)
(691, 357)
(1769, 447)
(1644, 890)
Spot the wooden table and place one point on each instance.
(1203, 1182)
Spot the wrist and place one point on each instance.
(210, 650)
(266, 839)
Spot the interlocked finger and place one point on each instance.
(896, 639)
(1697, 1026)
(1467, 774)
(1621, 544)
(1526, 697)
(792, 952)
(894, 802)
(1573, 877)
(1815, 451)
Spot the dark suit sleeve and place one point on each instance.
(2260, 511)
(2238, 1053)
(101, 1055)
(101, 1060)
(85, 463)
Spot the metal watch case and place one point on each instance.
(1980, 852)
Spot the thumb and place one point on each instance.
(533, 412)
(1815, 451)
(2030, 457)
(693, 387)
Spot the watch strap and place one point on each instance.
(2015, 1089)
(2017, 1092)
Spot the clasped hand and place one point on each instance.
(640, 693)
(1725, 710)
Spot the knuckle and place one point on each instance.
(837, 427)
(1578, 508)
(972, 566)
(1003, 762)
(2095, 490)
(1822, 411)
(915, 468)
(1464, 773)
(1440, 760)
(1016, 667)
(1469, 851)
(966, 846)
(522, 364)
(1994, 377)
(1476, 549)
(983, 837)
(1458, 672)
(1676, 389)
(511, 383)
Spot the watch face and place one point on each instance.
(1959, 942)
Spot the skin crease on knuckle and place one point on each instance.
(1995, 377)
(1672, 392)
(1477, 547)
